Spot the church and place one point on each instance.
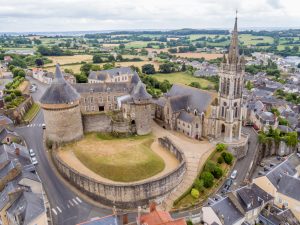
(202, 114)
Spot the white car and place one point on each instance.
(31, 153)
(44, 126)
(34, 161)
(233, 174)
(298, 154)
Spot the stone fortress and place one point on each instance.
(69, 111)
(116, 101)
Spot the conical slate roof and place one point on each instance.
(140, 92)
(60, 91)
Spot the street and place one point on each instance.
(67, 208)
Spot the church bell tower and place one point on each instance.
(231, 80)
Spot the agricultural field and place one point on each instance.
(118, 159)
(182, 78)
(207, 56)
(194, 37)
(137, 44)
(249, 39)
(62, 60)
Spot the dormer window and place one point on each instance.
(195, 112)
(188, 109)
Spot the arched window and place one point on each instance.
(227, 86)
(195, 112)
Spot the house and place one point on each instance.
(275, 183)
(156, 217)
(238, 207)
(7, 136)
(7, 59)
(116, 75)
(273, 215)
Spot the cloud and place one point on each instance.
(68, 15)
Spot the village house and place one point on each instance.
(117, 75)
(275, 183)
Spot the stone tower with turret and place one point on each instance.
(60, 104)
(142, 108)
(231, 80)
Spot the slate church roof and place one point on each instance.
(60, 91)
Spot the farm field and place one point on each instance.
(118, 159)
(69, 59)
(182, 78)
(194, 37)
(136, 44)
(249, 39)
(207, 56)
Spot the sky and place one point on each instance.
(97, 15)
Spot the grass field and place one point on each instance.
(182, 78)
(118, 159)
(249, 39)
(137, 44)
(193, 37)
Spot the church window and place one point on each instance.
(227, 86)
(195, 112)
(236, 112)
(223, 111)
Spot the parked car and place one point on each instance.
(31, 153)
(34, 161)
(44, 126)
(233, 174)
(228, 183)
(298, 154)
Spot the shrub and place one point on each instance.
(208, 179)
(17, 92)
(189, 223)
(199, 185)
(195, 193)
(220, 160)
(228, 157)
(210, 166)
(217, 173)
(12, 95)
(221, 147)
(7, 98)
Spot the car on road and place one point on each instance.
(34, 161)
(44, 126)
(31, 153)
(233, 174)
(298, 154)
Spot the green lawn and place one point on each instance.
(182, 78)
(196, 36)
(118, 159)
(31, 112)
(137, 44)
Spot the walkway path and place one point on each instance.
(196, 153)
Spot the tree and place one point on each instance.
(291, 139)
(195, 193)
(39, 62)
(166, 68)
(165, 86)
(220, 160)
(220, 147)
(97, 58)
(148, 69)
(21, 73)
(111, 58)
(108, 66)
(119, 57)
(217, 172)
(208, 179)
(228, 157)
(81, 78)
(195, 85)
(249, 85)
(121, 46)
(18, 62)
(85, 68)
(199, 185)
(210, 166)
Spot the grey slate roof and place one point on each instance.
(184, 96)
(60, 91)
(227, 210)
(4, 195)
(28, 206)
(284, 129)
(107, 220)
(102, 87)
(284, 174)
(4, 132)
(186, 117)
(7, 168)
(4, 120)
(252, 197)
(140, 93)
(102, 75)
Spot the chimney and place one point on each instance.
(17, 151)
(139, 216)
(125, 218)
(152, 207)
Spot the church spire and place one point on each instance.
(233, 54)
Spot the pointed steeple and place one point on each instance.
(233, 54)
(58, 75)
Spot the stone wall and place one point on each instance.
(18, 113)
(126, 195)
(96, 122)
(143, 118)
(63, 125)
(239, 150)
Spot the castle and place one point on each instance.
(71, 110)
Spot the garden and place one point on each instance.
(214, 171)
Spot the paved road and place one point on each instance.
(66, 207)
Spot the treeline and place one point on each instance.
(53, 51)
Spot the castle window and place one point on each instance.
(108, 97)
(223, 111)
(195, 112)
(115, 98)
(116, 106)
(100, 99)
(101, 108)
(197, 125)
(236, 112)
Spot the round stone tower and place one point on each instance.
(60, 104)
(142, 104)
